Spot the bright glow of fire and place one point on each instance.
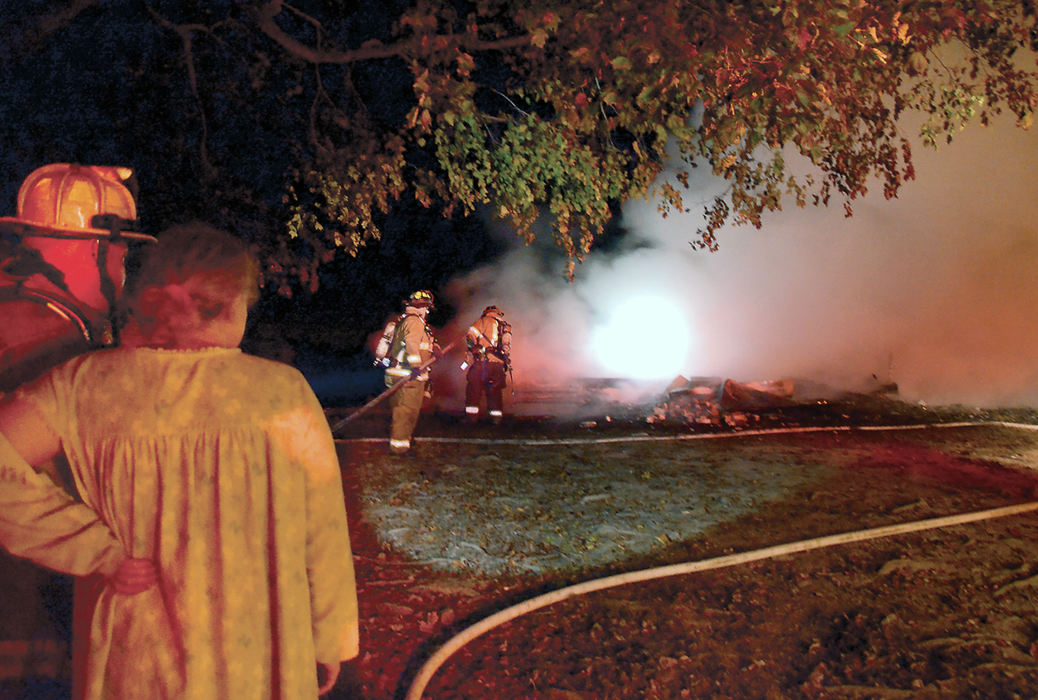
(646, 337)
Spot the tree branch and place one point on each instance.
(184, 31)
(265, 15)
(31, 37)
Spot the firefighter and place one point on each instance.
(62, 265)
(63, 254)
(412, 345)
(489, 343)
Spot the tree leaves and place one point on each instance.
(564, 109)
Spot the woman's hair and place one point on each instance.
(154, 298)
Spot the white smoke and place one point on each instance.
(936, 291)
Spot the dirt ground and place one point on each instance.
(479, 519)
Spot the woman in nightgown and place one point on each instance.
(208, 471)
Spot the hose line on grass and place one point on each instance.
(533, 442)
(429, 668)
(425, 673)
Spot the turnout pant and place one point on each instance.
(405, 404)
(485, 377)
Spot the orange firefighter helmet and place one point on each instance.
(77, 219)
(68, 200)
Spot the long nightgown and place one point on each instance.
(220, 467)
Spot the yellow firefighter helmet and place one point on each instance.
(422, 299)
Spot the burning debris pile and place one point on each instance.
(719, 402)
(709, 402)
(715, 402)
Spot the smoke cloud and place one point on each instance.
(936, 291)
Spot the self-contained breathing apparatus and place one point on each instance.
(386, 354)
(481, 348)
(391, 350)
(385, 342)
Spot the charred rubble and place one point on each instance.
(722, 404)
(727, 404)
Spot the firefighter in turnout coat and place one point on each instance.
(489, 342)
(412, 345)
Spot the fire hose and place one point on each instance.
(396, 386)
(434, 662)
